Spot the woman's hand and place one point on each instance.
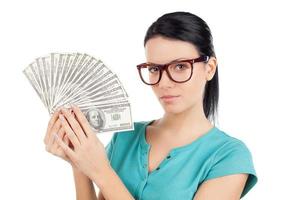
(54, 130)
(88, 153)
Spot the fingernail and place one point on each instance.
(55, 136)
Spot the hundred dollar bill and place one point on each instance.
(30, 74)
(109, 118)
(74, 88)
(67, 59)
(109, 87)
(69, 76)
(61, 79)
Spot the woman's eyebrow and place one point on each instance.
(178, 59)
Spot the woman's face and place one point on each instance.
(179, 96)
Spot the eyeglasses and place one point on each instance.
(178, 71)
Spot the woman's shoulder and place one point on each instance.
(231, 148)
(225, 140)
(231, 155)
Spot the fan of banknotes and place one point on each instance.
(62, 79)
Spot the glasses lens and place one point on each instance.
(180, 71)
(150, 74)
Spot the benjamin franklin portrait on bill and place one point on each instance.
(95, 118)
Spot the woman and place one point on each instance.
(179, 156)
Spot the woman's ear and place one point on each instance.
(211, 67)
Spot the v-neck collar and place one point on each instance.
(174, 151)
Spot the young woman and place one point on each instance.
(182, 155)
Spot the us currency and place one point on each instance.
(107, 94)
(57, 61)
(79, 80)
(109, 118)
(38, 70)
(89, 101)
(97, 73)
(66, 63)
(75, 78)
(105, 87)
(84, 61)
(29, 73)
(43, 70)
(74, 60)
(100, 104)
(116, 92)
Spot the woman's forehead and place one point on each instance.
(162, 50)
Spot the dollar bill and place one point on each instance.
(62, 79)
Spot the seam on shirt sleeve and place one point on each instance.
(217, 169)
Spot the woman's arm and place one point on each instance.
(89, 156)
(84, 186)
(111, 186)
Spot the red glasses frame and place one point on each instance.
(202, 58)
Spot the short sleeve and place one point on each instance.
(234, 158)
(110, 146)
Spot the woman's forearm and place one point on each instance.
(84, 186)
(111, 186)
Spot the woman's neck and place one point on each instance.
(192, 120)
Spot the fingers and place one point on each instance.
(51, 123)
(67, 150)
(82, 120)
(67, 141)
(74, 125)
(70, 133)
(69, 144)
(54, 148)
(50, 139)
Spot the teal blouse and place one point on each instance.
(180, 174)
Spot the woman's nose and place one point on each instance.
(165, 80)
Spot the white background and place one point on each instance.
(257, 46)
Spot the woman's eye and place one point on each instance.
(180, 66)
(153, 69)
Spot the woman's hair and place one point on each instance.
(191, 28)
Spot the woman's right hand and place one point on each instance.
(55, 129)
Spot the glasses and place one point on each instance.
(178, 71)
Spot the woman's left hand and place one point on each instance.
(88, 153)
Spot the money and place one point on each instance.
(62, 79)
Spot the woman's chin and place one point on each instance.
(172, 109)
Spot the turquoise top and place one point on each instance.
(179, 175)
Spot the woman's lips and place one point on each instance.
(169, 98)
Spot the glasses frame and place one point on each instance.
(201, 58)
